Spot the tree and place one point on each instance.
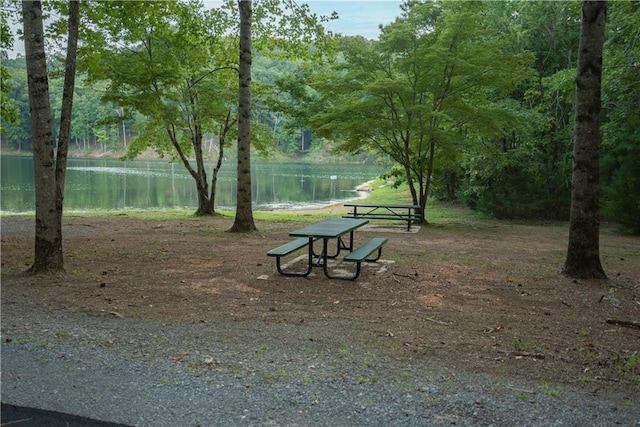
(244, 214)
(50, 171)
(175, 63)
(434, 78)
(583, 255)
(297, 33)
(170, 66)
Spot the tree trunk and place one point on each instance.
(64, 134)
(48, 230)
(244, 213)
(205, 206)
(583, 255)
(222, 141)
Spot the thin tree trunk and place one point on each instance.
(222, 140)
(48, 232)
(205, 206)
(64, 135)
(244, 213)
(583, 255)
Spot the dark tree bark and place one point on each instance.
(244, 213)
(64, 134)
(48, 233)
(49, 171)
(583, 255)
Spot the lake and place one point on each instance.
(114, 185)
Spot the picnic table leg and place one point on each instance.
(352, 277)
(325, 257)
(302, 273)
(339, 247)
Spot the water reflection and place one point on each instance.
(99, 184)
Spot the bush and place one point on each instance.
(511, 184)
(622, 196)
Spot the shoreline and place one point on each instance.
(364, 188)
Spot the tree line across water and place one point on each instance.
(482, 93)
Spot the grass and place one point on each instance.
(519, 344)
(549, 390)
(272, 376)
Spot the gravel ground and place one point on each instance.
(250, 373)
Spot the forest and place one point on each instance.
(473, 101)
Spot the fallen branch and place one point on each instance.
(412, 277)
(431, 319)
(626, 323)
(522, 354)
(527, 354)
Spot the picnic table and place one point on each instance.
(408, 213)
(333, 228)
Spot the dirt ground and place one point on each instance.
(481, 296)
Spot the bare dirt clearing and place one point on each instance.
(485, 296)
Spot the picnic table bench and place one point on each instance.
(333, 228)
(408, 213)
(289, 248)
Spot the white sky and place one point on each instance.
(358, 17)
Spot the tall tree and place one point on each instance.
(64, 132)
(434, 78)
(244, 214)
(583, 255)
(171, 62)
(49, 170)
(170, 65)
(296, 34)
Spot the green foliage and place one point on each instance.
(527, 172)
(499, 183)
(620, 159)
(472, 100)
(434, 78)
(16, 132)
(8, 111)
(622, 194)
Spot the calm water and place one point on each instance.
(98, 184)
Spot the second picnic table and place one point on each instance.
(408, 213)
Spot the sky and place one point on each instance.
(358, 17)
